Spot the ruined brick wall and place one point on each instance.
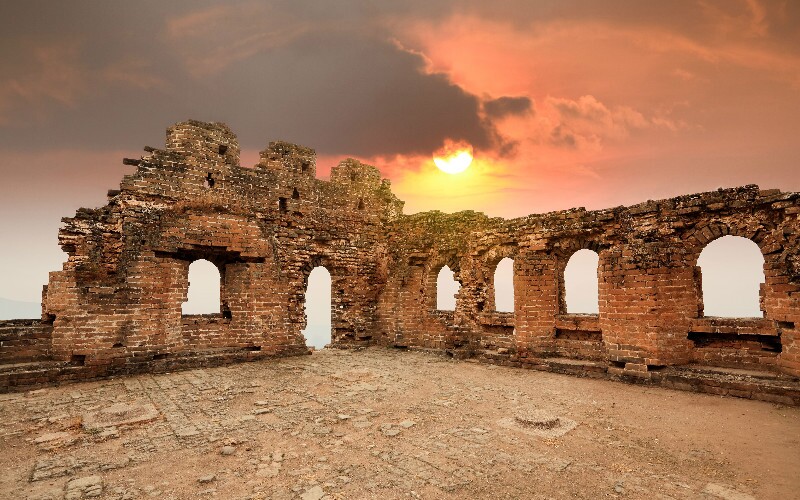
(650, 305)
(24, 340)
(119, 295)
(117, 301)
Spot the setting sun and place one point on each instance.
(453, 158)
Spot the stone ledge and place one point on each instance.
(767, 386)
(25, 376)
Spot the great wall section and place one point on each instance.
(115, 307)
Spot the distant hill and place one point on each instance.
(17, 309)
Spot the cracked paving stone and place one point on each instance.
(48, 468)
(315, 493)
(457, 451)
(186, 432)
(84, 487)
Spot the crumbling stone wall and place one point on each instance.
(649, 290)
(118, 298)
(116, 304)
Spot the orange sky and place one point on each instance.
(624, 109)
(566, 103)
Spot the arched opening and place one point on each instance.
(580, 283)
(504, 286)
(203, 296)
(318, 308)
(732, 270)
(446, 289)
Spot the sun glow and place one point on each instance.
(453, 158)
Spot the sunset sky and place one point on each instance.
(565, 103)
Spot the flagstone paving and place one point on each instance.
(387, 424)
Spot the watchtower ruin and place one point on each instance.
(115, 307)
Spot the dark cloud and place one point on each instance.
(347, 93)
(114, 74)
(505, 106)
(277, 72)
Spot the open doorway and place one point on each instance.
(318, 308)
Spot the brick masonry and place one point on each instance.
(115, 307)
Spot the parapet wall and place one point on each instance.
(650, 301)
(117, 301)
(24, 340)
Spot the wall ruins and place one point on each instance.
(115, 307)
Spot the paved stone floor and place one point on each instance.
(390, 424)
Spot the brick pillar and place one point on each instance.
(648, 298)
(781, 303)
(789, 359)
(263, 312)
(535, 301)
(404, 308)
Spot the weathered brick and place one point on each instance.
(117, 300)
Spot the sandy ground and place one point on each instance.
(389, 424)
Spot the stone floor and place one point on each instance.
(389, 424)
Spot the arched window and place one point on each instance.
(446, 289)
(504, 286)
(318, 308)
(580, 283)
(204, 289)
(732, 268)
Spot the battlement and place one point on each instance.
(203, 142)
(353, 172)
(290, 157)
